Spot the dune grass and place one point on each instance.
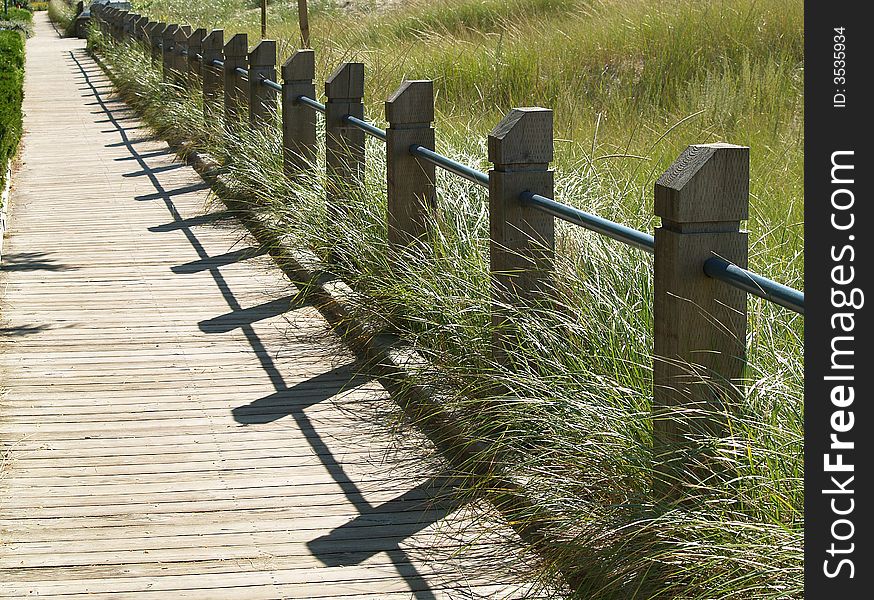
(632, 83)
(633, 78)
(63, 15)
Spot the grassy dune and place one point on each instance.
(632, 83)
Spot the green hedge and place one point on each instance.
(17, 14)
(11, 94)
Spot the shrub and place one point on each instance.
(19, 14)
(11, 94)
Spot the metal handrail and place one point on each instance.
(365, 127)
(307, 101)
(271, 84)
(450, 165)
(217, 63)
(241, 71)
(611, 229)
(765, 288)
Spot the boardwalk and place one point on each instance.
(175, 422)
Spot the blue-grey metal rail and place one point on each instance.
(271, 84)
(307, 101)
(739, 278)
(241, 71)
(366, 127)
(450, 165)
(627, 235)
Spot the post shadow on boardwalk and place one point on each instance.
(287, 400)
(220, 260)
(386, 526)
(241, 317)
(24, 330)
(164, 194)
(146, 155)
(32, 261)
(206, 219)
(300, 396)
(143, 173)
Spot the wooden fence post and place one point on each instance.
(262, 99)
(522, 239)
(168, 44)
(236, 56)
(130, 20)
(139, 29)
(411, 182)
(180, 54)
(119, 25)
(298, 122)
(151, 34)
(107, 19)
(700, 323)
(344, 144)
(195, 49)
(157, 40)
(212, 76)
(113, 23)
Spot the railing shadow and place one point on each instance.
(32, 261)
(206, 219)
(403, 516)
(24, 330)
(242, 317)
(388, 524)
(221, 260)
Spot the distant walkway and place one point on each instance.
(174, 422)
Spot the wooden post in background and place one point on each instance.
(411, 182)
(262, 99)
(263, 19)
(195, 49)
(303, 19)
(130, 20)
(107, 19)
(153, 37)
(212, 76)
(236, 56)
(113, 23)
(700, 323)
(298, 122)
(344, 145)
(522, 239)
(180, 54)
(156, 41)
(168, 40)
(139, 30)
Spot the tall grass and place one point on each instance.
(572, 422)
(63, 15)
(632, 83)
